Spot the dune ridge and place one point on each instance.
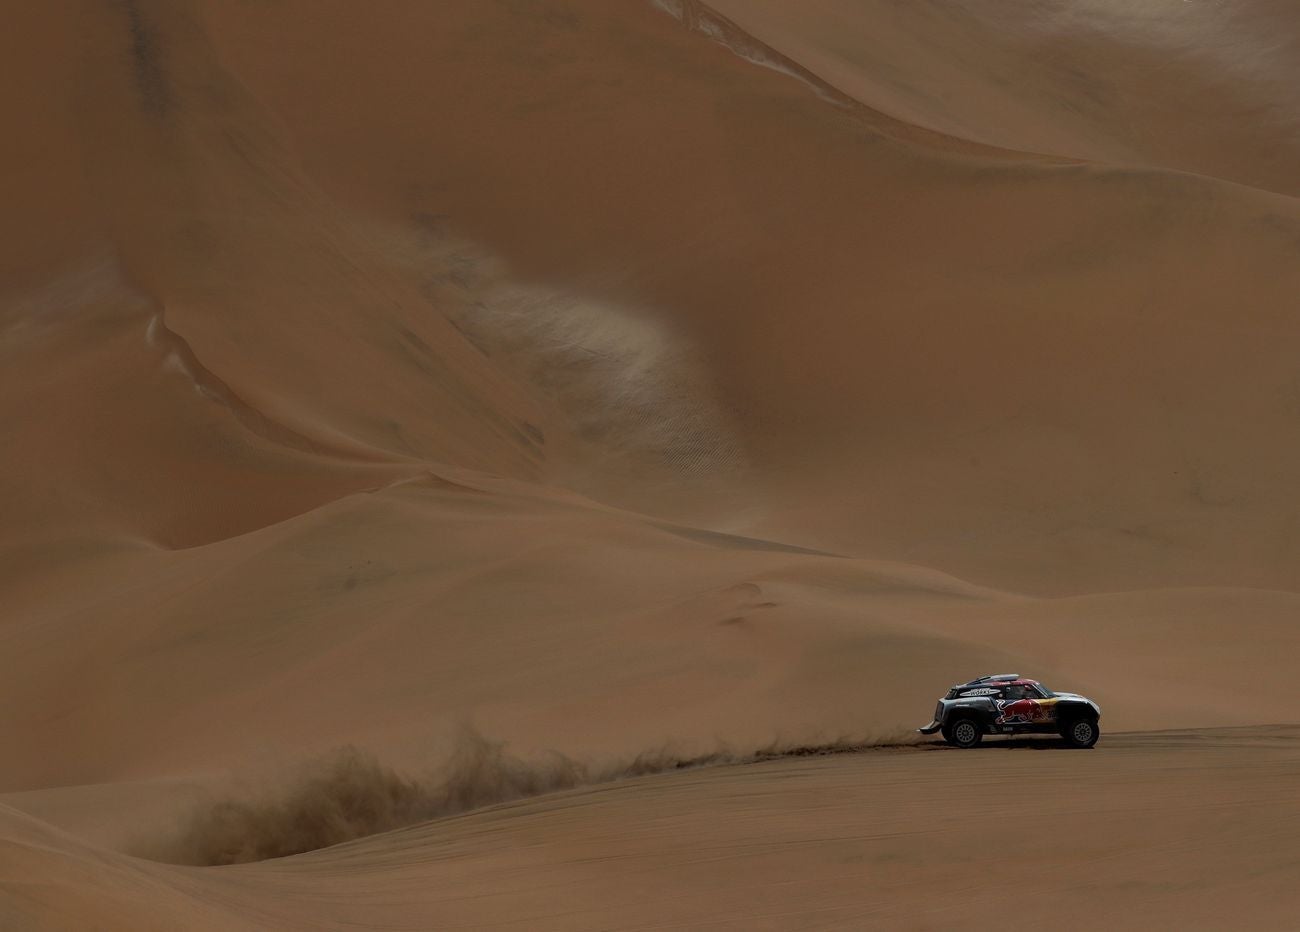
(1068, 104)
(699, 16)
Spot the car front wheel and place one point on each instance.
(963, 733)
(1081, 733)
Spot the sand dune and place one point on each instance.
(288, 638)
(637, 383)
(1166, 828)
(1045, 357)
(1196, 87)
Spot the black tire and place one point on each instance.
(1081, 733)
(963, 733)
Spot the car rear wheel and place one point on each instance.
(1081, 733)
(963, 733)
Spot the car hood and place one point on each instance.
(1079, 698)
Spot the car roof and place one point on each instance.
(1000, 679)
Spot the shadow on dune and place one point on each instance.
(348, 794)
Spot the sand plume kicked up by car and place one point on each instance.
(348, 794)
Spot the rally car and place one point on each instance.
(1008, 704)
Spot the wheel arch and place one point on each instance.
(979, 712)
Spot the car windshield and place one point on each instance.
(1047, 693)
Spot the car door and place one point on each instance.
(1044, 708)
(1021, 705)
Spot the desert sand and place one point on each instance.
(462, 460)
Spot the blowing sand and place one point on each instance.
(448, 449)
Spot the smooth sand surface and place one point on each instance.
(1098, 80)
(1187, 829)
(533, 396)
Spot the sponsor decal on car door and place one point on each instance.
(1026, 711)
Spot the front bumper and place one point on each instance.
(930, 728)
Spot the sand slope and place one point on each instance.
(1197, 87)
(630, 378)
(524, 614)
(1166, 828)
(1059, 377)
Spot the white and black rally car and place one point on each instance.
(1008, 704)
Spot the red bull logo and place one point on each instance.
(1025, 711)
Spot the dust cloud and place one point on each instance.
(349, 793)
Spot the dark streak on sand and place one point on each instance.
(147, 62)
